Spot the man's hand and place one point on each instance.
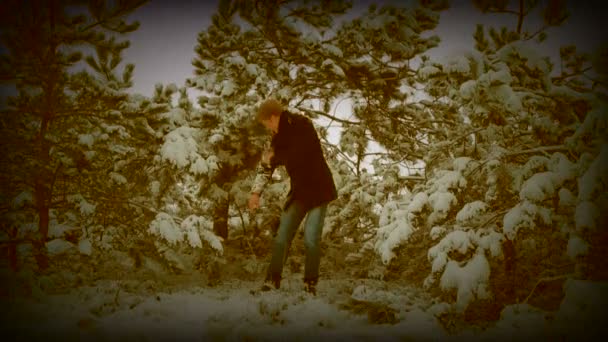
(254, 201)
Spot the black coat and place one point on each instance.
(297, 147)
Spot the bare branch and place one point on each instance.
(318, 112)
(540, 149)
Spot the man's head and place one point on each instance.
(269, 114)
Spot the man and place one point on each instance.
(295, 145)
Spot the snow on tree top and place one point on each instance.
(460, 164)
(86, 139)
(576, 246)
(539, 187)
(520, 48)
(586, 215)
(428, 71)
(333, 50)
(501, 74)
(471, 210)
(596, 175)
(469, 280)
(236, 60)
(523, 215)
(419, 201)
(447, 180)
(180, 146)
(457, 64)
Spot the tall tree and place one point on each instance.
(514, 185)
(291, 50)
(43, 41)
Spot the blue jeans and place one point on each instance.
(291, 218)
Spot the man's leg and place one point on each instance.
(290, 220)
(312, 240)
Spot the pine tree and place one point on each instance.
(238, 66)
(513, 183)
(290, 50)
(43, 41)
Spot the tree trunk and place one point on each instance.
(220, 219)
(12, 248)
(43, 225)
(43, 192)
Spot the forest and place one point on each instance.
(471, 190)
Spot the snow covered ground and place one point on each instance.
(125, 310)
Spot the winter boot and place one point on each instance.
(310, 286)
(271, 282)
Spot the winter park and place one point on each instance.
(237, 170)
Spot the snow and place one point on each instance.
(333, 50)
(470, 280)
(539, 187)
(387, 213)
(467, 89)
(458, 64)
(199, 167)
(85, 247)
(562, 167)
(582, 311)
(252, 69)
(428, 71)
(86, 139)
(566, 198)
(448, 180)
(237, 61)
(456, 240)
(214, 241)
(109, 311)
(57, 230)
(89, 155)
(576, 247)
(501, 76)
(228, 88)
(523, 215)
(155, 187)
(519, 320)
(488, 239)
(285, 92)
(532, 58)
(121, 130)
(596, 175)
(118, 178)
(471, 210)
(505, 94)
(87, 208)
(436, 232)
(365, 293)
(24, 197)
(460, 164)
(391, 236)
(585, 216)
(59, 246)
(596, 122)
(180, 146)
(439, 262)
(193, 237)
(418, 203)
(441, 202)
(176, 117)
(164, 226)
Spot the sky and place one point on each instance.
(163, 47)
